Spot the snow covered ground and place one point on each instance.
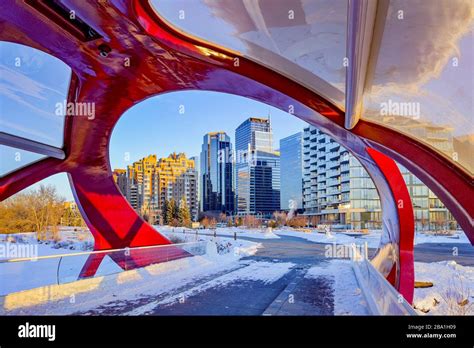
(452, 292)
(456, 237)
(348, 297)
(18, 276)
(372, 238)
(154, 280)
(257, 233)
(453, 283)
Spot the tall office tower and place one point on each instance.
(257, 169)
(259, 184)
(217, 191)
(338, 190)
(254, 134)
(291, 172)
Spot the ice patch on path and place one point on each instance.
(348, 297)
(452, 284)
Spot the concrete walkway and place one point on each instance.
(232, 294)
(291, 293)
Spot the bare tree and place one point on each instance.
(46, 209)
(222, 218)
(298, 221)
(251, 221)
(280, 218)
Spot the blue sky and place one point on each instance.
(155, 126)
(32, 82)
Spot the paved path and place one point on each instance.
(310, 296)
(232, 294)
(300, 248)
(228, 293)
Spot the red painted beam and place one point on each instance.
(394, 177)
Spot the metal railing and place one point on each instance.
(197, 232)
(381, 296)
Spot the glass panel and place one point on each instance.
(33, 85)
(422, 82)
(304, 40)
(33, 269)
(11, 159)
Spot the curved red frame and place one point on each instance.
(175, 62)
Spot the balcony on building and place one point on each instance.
(332, 182)
(332, 173)
(332, 164)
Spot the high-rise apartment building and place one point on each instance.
(216, 174)
(141, 186)
(185, 187)
(338, 190)
(197, 167)
(291, 172)
(151, 182)
(177, 179)
(429, 212)
(257, 169)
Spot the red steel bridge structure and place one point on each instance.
(164, 58)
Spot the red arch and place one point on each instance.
(174, 62)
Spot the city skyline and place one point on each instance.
(219, 171)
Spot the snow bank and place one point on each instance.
(225, 247)
(452, 292)
(455, 237)
(372, 238)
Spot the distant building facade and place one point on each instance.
(120, 178)
(257, 169)
(151, 182)
(216, 174)
(197, 167)
(291, 172)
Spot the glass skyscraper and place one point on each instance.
(216, 174)
(291, 172)
(257, 169)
